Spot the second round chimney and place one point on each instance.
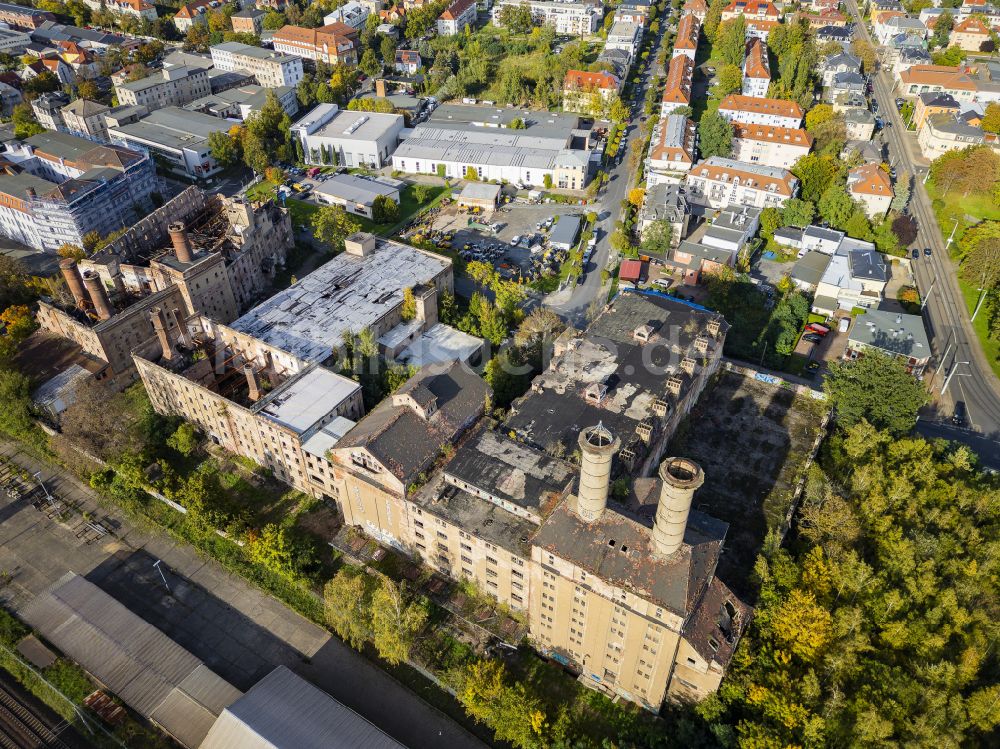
(98, 294)
(680, 477)
(71, 273)
(597, 450)
(181, 241)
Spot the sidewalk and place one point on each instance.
(231, 625)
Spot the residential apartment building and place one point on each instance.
(270, 68)
(248, 21)
(135, 8)
(351, 13)
(870, 185)
(48, 110)
(60, 187)
(761, 111)
(169, 87)
(666, 202)
(756, 70)
(688, 34)
(751, 9)
(697, 8)
(945, 132)
(194, 14)
(577, 18)
(677, 86)
(971, 33)
(717, 182)
(890, 26)
(929, 104)
(589, 93)
(895, 334)
(84, 117)
(625, 36)
(550, 149)
(841, 62)
(672, 149)
(14, 41)
(967, 83)
(333, 44)
(770, 145)
(24, 17)
(457, 17)
(330, 135)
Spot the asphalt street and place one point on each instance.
(574, 310)
(957, 353)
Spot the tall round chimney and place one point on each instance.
(181, 242)
(681, 477)
(72, 275)
(98, 296)
(597, 450)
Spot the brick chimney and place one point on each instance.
(159, 320)
(252, 382)
(181, 241)
(72, 275)
(98, 294)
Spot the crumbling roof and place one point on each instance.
(717, 623)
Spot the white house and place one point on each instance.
(770, 145)
(756, 69)
(456, 17)
(717, 182)
(752, 110)
(353, 13)
(871, 186)
(853, 278)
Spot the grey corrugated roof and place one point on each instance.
(149, 671)
(283, 711)
(566, 231)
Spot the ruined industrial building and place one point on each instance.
(200, 254)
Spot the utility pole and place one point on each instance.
(947, 380)
(927, 295)
(951, 236)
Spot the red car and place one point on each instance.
(815, 327)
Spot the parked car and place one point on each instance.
(813, 337)
(816, 327)
(927, 251)
(915, 254)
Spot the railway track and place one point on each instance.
(22, 729)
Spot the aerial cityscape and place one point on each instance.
(547, 374)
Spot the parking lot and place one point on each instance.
(517, 246)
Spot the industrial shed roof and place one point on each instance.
(283, 711)
(153, 674)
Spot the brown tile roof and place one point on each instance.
(191, 9)
(772, 134)
(869, 179)
(757, 64)
(577, 80)
(454, 11)
(687, 32)
(760, 8)
(938, 75)
(972, 25)
(696, 6)
(740, 103)
(749, 176)
(660, 151)
(677, 89)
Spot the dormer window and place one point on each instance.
(596, 391)
(687, 364)
(660, 407)
(643, 332)
(713, 327)
(701, 344)
(674, 385)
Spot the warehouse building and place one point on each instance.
(550, 150)
(355, 194)
(177, 136)
(151, 673)
(330, 135)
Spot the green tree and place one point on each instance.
(409, 309)
(866, 52)
(618, 111)
(385, 210)
(858, 226)
(396, 621)
(657, 238)
(185, 439)
(981, 255)
(817, 174)
(16, 419)
(991, 118)
(332, 225)
(728, 80)
(489, 697)
(797, 212)
(369, 64)
(836, 207)
(715, 135)
(25, 124)
(517, 18)
(272, 548)
(387, 48)
(770, 221)
(273, 20)
(347, 604)
(942, 29)
(730, 45)
(224, 148)
(875, 388)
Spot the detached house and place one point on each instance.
(853, 278)
(842, 62)
(870, 185)
(896, 334)
(756, 69)
(192, 14)
(760, 10)
(407, 61)
(589, 93)
(970, 33)
(456, 17)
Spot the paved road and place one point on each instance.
(240, 632)
(574, 310)
(946, 317)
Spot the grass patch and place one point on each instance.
(957, 207)
(991, 346)
(795, 364)
(813, 317)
